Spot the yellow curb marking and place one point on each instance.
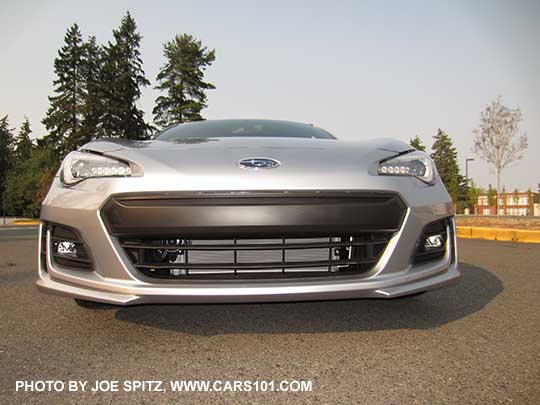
(504, 234)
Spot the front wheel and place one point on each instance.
(92, 304)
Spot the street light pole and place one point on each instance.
(467, 160)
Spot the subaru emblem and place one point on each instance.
(259, 163)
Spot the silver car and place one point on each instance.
(245, 211)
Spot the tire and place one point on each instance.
(92, 304)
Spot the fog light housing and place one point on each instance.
(68, 249)
(431, 245)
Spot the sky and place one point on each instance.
(359, 69)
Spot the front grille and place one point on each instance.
(239, 258)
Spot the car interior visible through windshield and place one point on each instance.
(242, 128)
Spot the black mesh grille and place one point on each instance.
(238, 258)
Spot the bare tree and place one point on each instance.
(497, 139)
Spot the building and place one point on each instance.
(521, 203)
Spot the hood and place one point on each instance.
(215, 159)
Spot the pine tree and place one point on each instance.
(93, 104)
(23, 144)
(472, 195)
(24, 182)
(6, 152)
(445, 157)
(19, 193)
(63, 120)
(416, 143)
(122, 77)
(181, 78)
(492, 196)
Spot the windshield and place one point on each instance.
(242, 128)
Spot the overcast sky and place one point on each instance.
(360, 69)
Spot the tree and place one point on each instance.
(416, 143)
(472, 195)
(492, 196)
(530, 201)
(122, 77)
(23, 144)
(6, 153)
(93, 105)
(181, 78)
(24, 182)
(497, 139)
(445, 158)
(63, 119)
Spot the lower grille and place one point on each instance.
(239, 258)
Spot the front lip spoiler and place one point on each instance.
(399, 285)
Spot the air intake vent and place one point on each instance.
(68, 249)
(237, 258)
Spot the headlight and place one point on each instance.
(416, 164)
(78, 166)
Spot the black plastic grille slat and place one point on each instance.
(237, 247)
(251, 213)
(252, 266)
(66, 238)
(77, 259)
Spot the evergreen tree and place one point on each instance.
(63, 120)
(445, 157)
(472, 195)
(181, 78)
(492, 196)
(24, 181)
(93, 105)
(122, 77)
(416, 143)
(23, 144)
(6, 153)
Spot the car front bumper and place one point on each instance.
(115, 281)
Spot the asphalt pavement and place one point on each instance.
(475, 342)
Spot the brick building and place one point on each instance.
(522, 203)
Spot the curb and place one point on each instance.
(503, 234)
(26, 222)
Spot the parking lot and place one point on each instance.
(477, 341)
